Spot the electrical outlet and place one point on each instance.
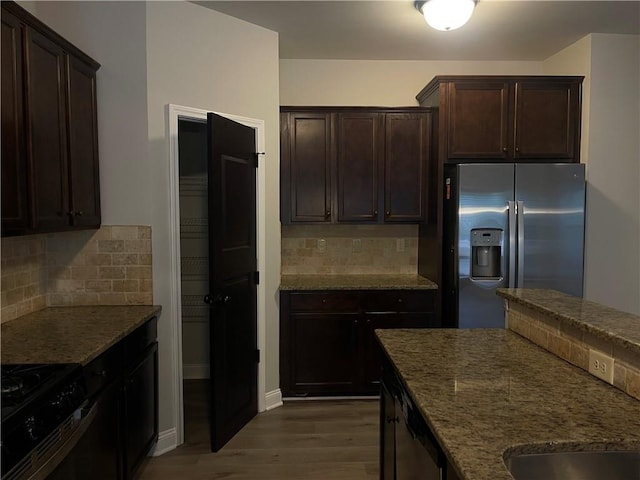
(601, 366)
(356, 245)
(400, 245)
(322, 245)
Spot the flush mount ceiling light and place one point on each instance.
(446, 14)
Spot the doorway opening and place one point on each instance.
(189, 250)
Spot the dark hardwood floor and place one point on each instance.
(302, 440)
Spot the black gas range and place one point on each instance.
(42, 406)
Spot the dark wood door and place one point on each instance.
(478, 125)
(46, 132)
(359, 155)
(14, 161)
(547, 120)
(306, 167)
(83, 144)
(407, 147)
(388, 421)
(233, 277)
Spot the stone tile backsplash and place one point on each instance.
(109, 266)
(349, 249)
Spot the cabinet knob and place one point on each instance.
(375, 212)
(387, 213)
(504, 149)
(71, 213)
(327, 214)
(517, 149)
(79, 213)
(324, 300)
(355, 321)
(399, 300)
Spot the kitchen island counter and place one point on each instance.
(70, 334)
(486, 393)
(356, 282)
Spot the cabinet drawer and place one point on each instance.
(399, 301)
(343, 302)
(103, 370)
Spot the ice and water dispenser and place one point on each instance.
(486, 253)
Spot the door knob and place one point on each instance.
(217, 299)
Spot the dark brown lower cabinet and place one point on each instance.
(327, 340)
(140, 410)
(122, 384)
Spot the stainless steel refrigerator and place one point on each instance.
(509, 225)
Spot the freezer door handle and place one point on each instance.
(512, 244)
(520, 215)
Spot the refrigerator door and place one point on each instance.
(551, 201)
(484, 193)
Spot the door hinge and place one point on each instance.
(257, 356)
(256, 278)
(255, 157)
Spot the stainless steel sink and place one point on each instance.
(592, 465)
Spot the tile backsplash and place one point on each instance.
(349, 249)
(109, 266)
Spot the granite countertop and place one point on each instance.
(487, 392)
(356, 282)
(617, 327)
(69, 334)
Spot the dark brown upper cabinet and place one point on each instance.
(49, 125)
(354, 164)
(406, 162)
(306, 167)
(511, 119)
(359, 149)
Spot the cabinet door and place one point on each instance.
(323, 354)
(306, 164)
(83, 144)
(14, 163)
(140, 410)
(46, 98)
(547, 120)
(388, 421)
(359, 152)
(478, 113)
(407, 146)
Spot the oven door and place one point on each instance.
(95, 453)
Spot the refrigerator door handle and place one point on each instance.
(520, 214)
(512, 244)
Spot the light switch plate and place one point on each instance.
(322, 244)
(356, 246)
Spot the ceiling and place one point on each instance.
(530, 30)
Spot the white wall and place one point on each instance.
(203, 59)
(611, 149)
(393, 83)
(115, 36)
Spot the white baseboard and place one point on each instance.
(273, 399)
(167, 441)
(195, 371)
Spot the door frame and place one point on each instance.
(176, 112)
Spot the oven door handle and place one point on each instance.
(71, 441)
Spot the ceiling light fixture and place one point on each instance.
(446, 14)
